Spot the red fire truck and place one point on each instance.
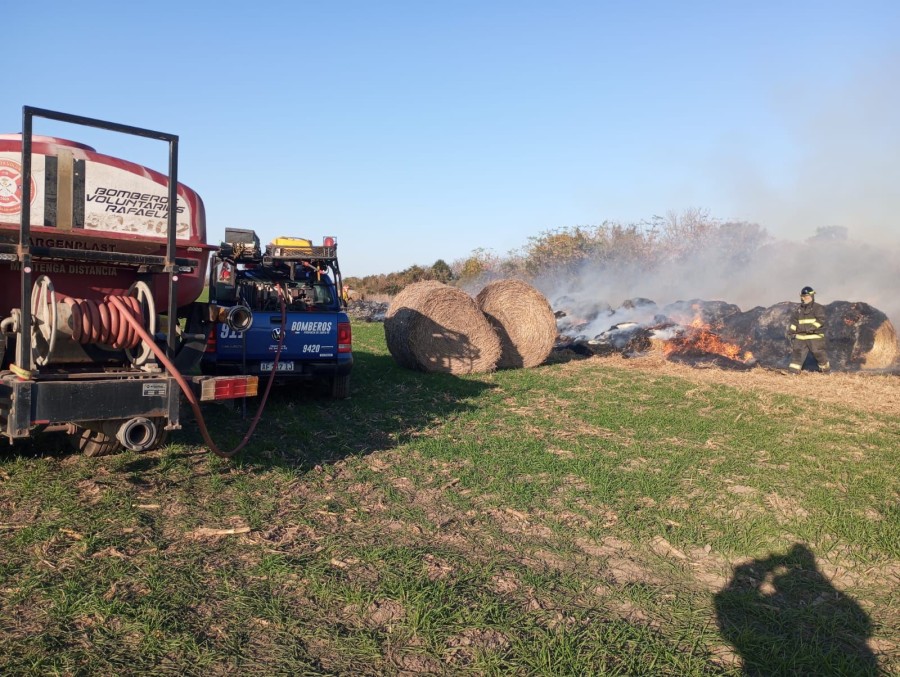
(102, 262)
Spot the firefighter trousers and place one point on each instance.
(800, 348)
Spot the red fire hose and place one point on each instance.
(186, 389)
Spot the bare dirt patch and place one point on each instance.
(623, 564)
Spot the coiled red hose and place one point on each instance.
(106, 322)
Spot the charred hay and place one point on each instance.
(523, 320)
(367, 311)
(861, 337)
(433, 327)
(625, 338)
(710, 313)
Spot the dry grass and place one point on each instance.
(864, 391)
(594, 516)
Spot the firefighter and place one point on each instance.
(807, 332)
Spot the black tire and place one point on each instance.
(162, 435)
(93, 443)
(340, 387)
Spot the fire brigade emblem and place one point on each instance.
(11, 187)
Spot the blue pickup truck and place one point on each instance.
(312, 341)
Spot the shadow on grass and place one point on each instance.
(301, 426)
(785, 618)
(38, 445)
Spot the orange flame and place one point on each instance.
(699, 337)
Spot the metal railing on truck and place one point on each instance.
(25, 251)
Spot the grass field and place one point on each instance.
(587, 517)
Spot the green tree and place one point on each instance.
(441, 271)
(482, 263)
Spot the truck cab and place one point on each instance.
(310, 341)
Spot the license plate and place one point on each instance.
(286, 365)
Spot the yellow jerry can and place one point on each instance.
(284, 241)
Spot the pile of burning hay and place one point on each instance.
(434, 327)
(715, 333)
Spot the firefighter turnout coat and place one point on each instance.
(807, 332)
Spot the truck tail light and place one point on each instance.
(228, 387)
(211, 340)
(345, 338)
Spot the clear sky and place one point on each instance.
(417, 131)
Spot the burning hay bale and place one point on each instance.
(684, 331)
(715, 333)
(577, 321)
(523, 320)
(698, 345)
(763, 332)
(700, 312)
(433, 327)
(570, 321)
(626, 338)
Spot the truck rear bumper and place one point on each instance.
(301, 371)
(25, 405)
(36, 403)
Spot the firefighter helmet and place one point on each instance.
(807, 290)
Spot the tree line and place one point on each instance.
(562, 252)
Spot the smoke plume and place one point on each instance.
(838, 269)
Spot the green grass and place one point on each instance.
(572, 519)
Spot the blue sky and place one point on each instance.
(415, 131)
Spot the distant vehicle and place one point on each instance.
(311, 341)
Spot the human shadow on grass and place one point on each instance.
(785, 618)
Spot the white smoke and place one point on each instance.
(839, 166)
(838, 271)
(839, 163)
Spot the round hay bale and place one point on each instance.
(885, 352)
(859, 336)
(523, 319)
(433, 327)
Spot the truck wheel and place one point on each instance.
(162, 435)
(340, 387)
(93, 443)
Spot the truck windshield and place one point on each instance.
(322, 294)
(317, 294)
